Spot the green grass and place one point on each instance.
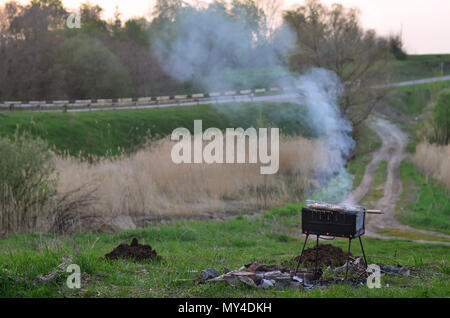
(248, 78)
(424, 203)
(195, 245)
(409, 105)
(377, 190)
(411, 235)
(421, 66)
(412, 100)
(102, 132)
(367, 141)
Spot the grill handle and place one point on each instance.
(374, 211)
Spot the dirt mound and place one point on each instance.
(329, 255)
(134, 251)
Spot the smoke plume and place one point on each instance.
(208, 44)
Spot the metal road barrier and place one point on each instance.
(166, 101)
(140, 102)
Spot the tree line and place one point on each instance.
(41, 58)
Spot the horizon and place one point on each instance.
(414, 20)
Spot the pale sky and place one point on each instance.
(425, 23)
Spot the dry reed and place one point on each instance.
(148, 183)
(434, 161)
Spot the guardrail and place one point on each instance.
(156, 101)
(92, 104)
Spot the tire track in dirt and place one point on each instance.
(392, 150)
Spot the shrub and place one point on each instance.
(27, 181)
(441, 116)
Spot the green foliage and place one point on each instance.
(288, 210)
(26, 167)
(219, 244)
(324, 36)
(412, 100)
(441, 116)
(413, 110)
(421, 66)
(411, 235)
(92, 22)
(100, 133)
(26, 180)
(396, 45)
(135, 30)
(367, 141)
(89, 69)
(425, 203)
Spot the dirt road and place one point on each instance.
(393, 150)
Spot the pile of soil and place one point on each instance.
(329, 255)
(134, 251)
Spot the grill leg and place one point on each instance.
(362, 249)
(317, 253)
(348, 257)
(301, 254)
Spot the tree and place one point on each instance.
(167, 9)
(89, 69)
(441, 116)
(29, 38)
(91, 21)
(396, 45)
(38, 17)
(252, 18)
(272, 12)
(135, 30)
(333, 38)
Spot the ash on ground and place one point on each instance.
(260, 275)
(134, 251)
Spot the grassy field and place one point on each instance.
(367, 142)
(413, 67)
(99, 133)
(409, 106)
(411, 235)
(102, 132)
(425, 203)
(271, 238)
(196, 245)
(421, 66)
(377, 190)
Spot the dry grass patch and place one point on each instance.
(434, 161)
(148, 183)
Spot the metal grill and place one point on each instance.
(322, 219)
(347, 224)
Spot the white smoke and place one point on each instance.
(321, 89)
(207, 44)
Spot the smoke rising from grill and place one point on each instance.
(209, 43)
(321, 90)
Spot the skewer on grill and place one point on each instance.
(338, 208)
(373, 211)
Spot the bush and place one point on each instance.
(88, 69)
(27, 182)
(441, 117)
(396, 46)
